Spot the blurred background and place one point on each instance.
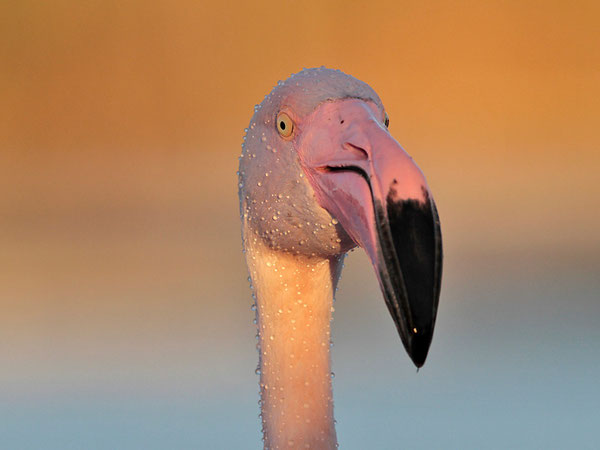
(125, 318)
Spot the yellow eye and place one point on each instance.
(285, 126)
(386, 120)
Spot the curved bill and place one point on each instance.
(364, 178)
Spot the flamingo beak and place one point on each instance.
(365, 179)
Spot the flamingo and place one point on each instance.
(320, 174)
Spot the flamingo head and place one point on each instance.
(320, 174)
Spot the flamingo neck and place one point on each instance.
(294, 297)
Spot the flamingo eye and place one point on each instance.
(285, 126)
(386, 120)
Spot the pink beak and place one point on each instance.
(363, 177)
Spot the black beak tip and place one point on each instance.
(419, 347)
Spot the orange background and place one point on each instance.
(121, 122)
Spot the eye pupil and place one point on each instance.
(282, 125)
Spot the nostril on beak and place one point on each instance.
(360, 152)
